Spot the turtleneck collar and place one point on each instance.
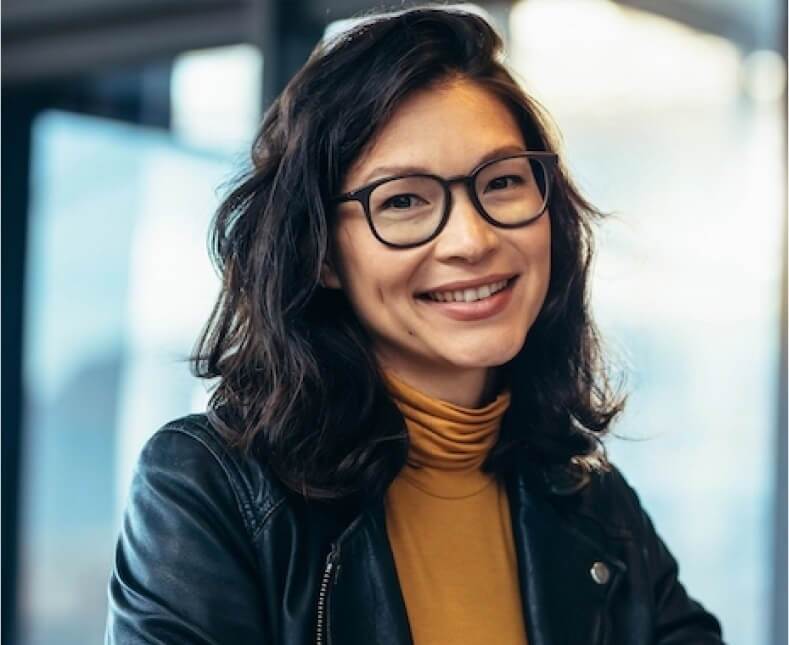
(448, 442)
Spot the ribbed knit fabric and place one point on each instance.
(449, 525)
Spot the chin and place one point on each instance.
(485, 355)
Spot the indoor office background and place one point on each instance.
(123, 123)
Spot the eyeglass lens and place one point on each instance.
(410, 209)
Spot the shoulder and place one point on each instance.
(189, 454)
(603, 497)
(609, 508)
(610, 492)
(187, 564)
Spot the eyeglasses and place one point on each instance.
(409, 210)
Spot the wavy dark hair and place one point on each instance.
(297, 383)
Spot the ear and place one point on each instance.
(329, 277)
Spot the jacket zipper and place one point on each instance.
(323, 595)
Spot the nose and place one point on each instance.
(466, 235)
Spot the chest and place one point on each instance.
(568, 587)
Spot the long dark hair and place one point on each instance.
(297, 382)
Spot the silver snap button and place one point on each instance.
(600, 573)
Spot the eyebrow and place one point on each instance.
(386, 171)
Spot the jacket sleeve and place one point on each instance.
(680, 620)
(184, 569)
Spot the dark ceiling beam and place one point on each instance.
(20, 15)
(61, 39)
(41, 45)
(58, 39)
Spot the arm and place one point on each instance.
(185, 570)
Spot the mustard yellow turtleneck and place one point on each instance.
(449, 525)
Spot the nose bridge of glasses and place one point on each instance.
(468, 190)
(470, 215)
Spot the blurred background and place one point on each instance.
(123, 122)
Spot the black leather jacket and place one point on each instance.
(214, 550)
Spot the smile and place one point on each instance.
(468, 295)
(472, 303)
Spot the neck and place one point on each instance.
(470, 388)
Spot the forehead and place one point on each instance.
(445, 129)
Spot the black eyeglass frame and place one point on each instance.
(362, 195)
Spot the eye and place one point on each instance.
(403, 201)
(504, 182)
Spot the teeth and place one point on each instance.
(468, 295)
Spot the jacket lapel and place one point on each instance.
(563, 603)
(366, 604)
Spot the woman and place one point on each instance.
(387, 457)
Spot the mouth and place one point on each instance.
(471, 294)
(472, 304)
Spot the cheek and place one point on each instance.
(540, 250)
(533, 244)
(373, 276)
(542, 254)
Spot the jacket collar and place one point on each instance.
(563, 603)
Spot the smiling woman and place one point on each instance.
(404, 443)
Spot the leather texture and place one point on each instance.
(213, 550)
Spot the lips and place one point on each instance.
(472, 310)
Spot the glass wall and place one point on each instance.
(678, 135)
(119, 284)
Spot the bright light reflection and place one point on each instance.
(588, 55)
(216, 97)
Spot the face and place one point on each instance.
(446, 131)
